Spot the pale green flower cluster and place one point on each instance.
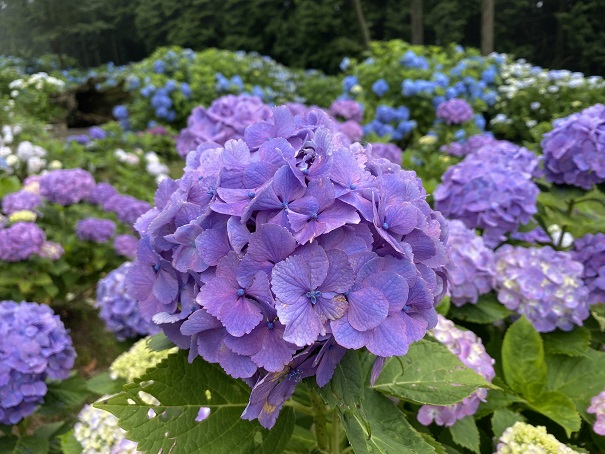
(98, 432)
(523, 438)
(136, 361)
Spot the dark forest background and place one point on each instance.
(299, 33)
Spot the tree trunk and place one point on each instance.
(363, 25)
(417, 22)
(487, 27)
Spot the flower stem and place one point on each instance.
(320, 422)
(299, 407)
(336, 434)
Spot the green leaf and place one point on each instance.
(598, 312)
(503, 418)
(523, 361)
(487, 310)
(444, 306)
(429, 374)
(465, 433)
(571, 343)
(560, 408)
(346, 388)
(102, 384)
(497, 399)
(69, 444)
(381, 428)
(159, 342)
(301, 442)
(66, 394)
(182, 389)
(580, 378)
(23, 445)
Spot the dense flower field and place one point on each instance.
(409, 257)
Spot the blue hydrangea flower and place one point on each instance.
(119, 311)
(120, 112)
(34, 346)
(380, 87)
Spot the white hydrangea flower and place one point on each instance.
(523, 438)
(35, 164)
(98, 432)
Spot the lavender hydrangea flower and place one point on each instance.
(97, 133)
(497, 196)
(119, 311)
(101, 193)
(347, 109)
(472, 144)
(20, 241)
(51, 250)
(574, 151)
(597, 407)
(388, 151)
(472, 268)
(95, 230)
(20, 200)
(126, 207)
(66, 187)
(126, 245)
(470, 350)
(274, 254)
(225, 119)
(544, 285)
(34, 345)
(590, 252)
(455, 111)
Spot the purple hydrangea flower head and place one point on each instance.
(97, 133)
(20, 200)
(544, 285)
(101, 193)
(274, 254)
(470, 350)
(82, 139)
(508, 155)
(66, 187)
(472, 268)
(455, 111)
(34, 346)
(574, 151)
(95, 230)
(388, 151)
(126, 245)
(347, 109)
(590, 252)
(472, 144)
(597, 407)
(119, 311)
(497, 197)
(225, 119)
(20, 241)
(126, 207)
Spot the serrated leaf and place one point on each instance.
(502, 419)
(182, 389)
(429, 374)
(580, 378)
(523, 360)
(23, 445)
(465, 433)
(598, 312)
(487, 310)
(571, 343)
(560, 408)
(69, 444)
(159, 342)
(103, 384)
(381, 428)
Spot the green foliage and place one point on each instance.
(428, 374)
(465, 433)
(487, 310)
(174, 422)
